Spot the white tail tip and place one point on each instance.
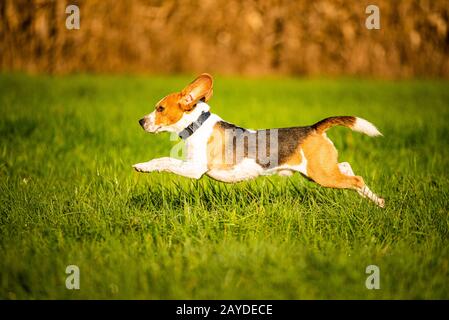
(363, 126)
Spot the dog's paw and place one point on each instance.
(141, 167)
(153, 165)
(381, 202)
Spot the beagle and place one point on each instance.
(229, 153)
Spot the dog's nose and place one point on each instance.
(142, 122)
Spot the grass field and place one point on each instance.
(68, 195)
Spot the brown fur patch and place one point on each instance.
(323, 125)
(290, 140)
(322, 164)
(280, 146)
(294, 158)
(172, 111)
(199, 89)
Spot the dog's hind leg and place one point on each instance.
(367, 193)
(324, 169)
(364, 191)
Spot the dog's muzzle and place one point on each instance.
(147, 124)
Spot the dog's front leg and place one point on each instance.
(182, 168)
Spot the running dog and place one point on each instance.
(229, 153)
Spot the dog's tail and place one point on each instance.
(354, 123)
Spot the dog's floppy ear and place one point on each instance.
(199, 89)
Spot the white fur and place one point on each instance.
(182, 168)
(196, 144)
(302, 167)
(246, 169)
(366, 127)
(346, 168)
(365, 192)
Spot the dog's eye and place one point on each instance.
(160, 109)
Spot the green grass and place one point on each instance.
(68, 195)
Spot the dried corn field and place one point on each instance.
(229, 37)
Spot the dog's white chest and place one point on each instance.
(196, 145)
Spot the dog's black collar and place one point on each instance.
(191, 128)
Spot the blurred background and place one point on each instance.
(316, 38)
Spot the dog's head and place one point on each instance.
(172, 112)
